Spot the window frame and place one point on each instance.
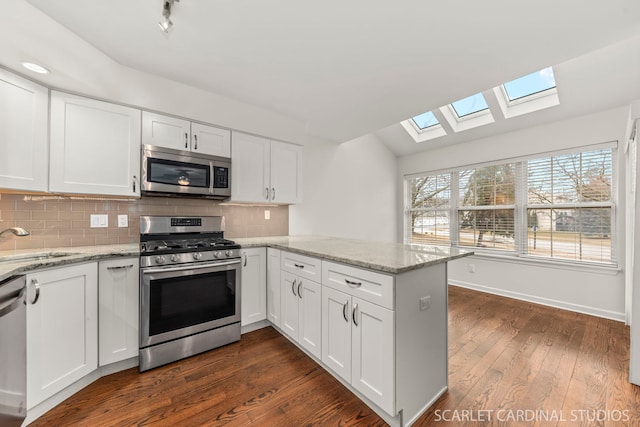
(521, 208)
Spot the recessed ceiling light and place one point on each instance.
(35, 68)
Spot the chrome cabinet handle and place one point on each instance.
(266, 193)
(36, 285)
(273, 193)
(344, 311)
(298, 266)
(299, 290)
(135, 178)
(353, 284)
(244, 263)
(353, 314)
(120, 267)
(293, 285)
(195, 139)
(186, 140)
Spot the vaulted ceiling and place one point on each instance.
(348, 68)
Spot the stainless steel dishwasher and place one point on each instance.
(13, 352)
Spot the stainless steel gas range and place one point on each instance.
(189, 288)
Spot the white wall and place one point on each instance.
(349, 191)
(587, 290)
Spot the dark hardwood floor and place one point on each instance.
(511, 363)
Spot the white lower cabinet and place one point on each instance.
(273, 286)
(62, 329)
(254, 285)
(118, 308)
(301, 311)
(358, 345)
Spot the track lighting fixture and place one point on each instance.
(165, 24)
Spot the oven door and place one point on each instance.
(177, 301)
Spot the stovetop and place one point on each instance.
(168, 245)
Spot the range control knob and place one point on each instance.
(217, 254)
(228, 253)
(160, 259)
(197, 256)
(175, 258)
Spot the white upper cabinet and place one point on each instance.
(95, 147)
(23, 134)
(265, 171)
(179, 134)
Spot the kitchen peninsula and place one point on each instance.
(373, 314)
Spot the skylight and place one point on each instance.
(425, 120)
(469, 105)
(530, 84)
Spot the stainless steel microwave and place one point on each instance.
(169, 172)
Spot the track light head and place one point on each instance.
(166, 24)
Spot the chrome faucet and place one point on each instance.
(18, 231)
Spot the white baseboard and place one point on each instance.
(254, 326)
(593, 311)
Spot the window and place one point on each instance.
(530, 84)
(429, 209)
(425, 120)
(569, 206)
(469, 105)
(486, 213)
(554, 207)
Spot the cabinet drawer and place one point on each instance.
(370, 286)
(301, 265)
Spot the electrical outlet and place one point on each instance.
(267, 214)
(123, 220)
(99, 221)
(471, 268)
(425, 303)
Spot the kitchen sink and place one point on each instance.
(34, 256)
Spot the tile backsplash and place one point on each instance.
(64, 222)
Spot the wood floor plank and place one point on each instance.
(504, 355)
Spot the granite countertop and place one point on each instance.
(22, 261)
(393, 258)
(390, 258)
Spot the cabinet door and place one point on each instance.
(165, 131)
(336, 331)
(118, 307)
(95, 147)
(24, 163)
(310, 334)
(254, 286)
(286, 172)
(210, 140)
(273, 286)
(289, 309)
(62, 329)
(373, 362)
(249, 168)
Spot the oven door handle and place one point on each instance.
(188, 267)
